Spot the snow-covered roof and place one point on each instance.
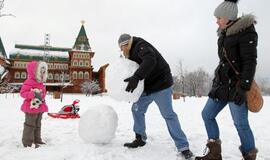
(39, 53)
(33, 54)
(50, 84)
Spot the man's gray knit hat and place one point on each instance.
(123, 39)
(227, 9)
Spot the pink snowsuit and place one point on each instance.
(27, 92)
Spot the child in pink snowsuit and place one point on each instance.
(33, 91)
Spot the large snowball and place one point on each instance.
(116, 73)
(98, 124)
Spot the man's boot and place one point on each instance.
(251, 155)
(187, 154)
(214, 153)
(138, 142)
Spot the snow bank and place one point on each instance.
(98, 124)
(116, 73)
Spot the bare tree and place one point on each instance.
(263, 82)
(1, 7)
(90, 87)
(177, 85)
(197, 82)
(179, 79)
(179, 68)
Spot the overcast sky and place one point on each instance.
(179, 29)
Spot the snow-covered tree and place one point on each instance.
(264, 84)
(1, 7)
(5, 87)
(177, 85)
(90, 87)
(197, 82)
(3, 73)
(2, 70)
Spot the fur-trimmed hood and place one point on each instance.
(34, 71)
(241, 24)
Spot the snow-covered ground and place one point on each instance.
(64, 143)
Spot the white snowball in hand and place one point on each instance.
(116, 73)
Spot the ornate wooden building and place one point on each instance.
(68, 68)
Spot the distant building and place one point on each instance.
(68, 68)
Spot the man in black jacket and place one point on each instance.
(157, 87)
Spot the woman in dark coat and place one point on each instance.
(237, 51)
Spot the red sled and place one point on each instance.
(68, 111)
(64, 116)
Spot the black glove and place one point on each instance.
(240, 96)
(38, 96)
(132, 83)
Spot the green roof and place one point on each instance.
(38, 58)
(2, 49)
(42, 47)
(32, 52)
(82, 40)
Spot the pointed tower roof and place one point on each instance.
(82, 42)
(2, 50)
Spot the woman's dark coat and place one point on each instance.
(240, 42)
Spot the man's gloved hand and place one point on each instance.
(132, 83)
(240, 96)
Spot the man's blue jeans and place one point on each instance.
(239, 116)
(163, 99)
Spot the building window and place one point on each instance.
(74, 75)
(66, 77)
(86, 75)
(56, 77)
(86, 63)
(80, 75)
(75, 63)
(62, 77)
(81, 63)
(50, 76)
(17, 75)
(49, 66)
(23, 75)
